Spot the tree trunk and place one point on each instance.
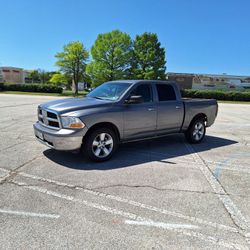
(75, 84)
(76, 88)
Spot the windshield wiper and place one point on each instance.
(103, 98)
(97, 97)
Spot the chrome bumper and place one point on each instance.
(63, 139)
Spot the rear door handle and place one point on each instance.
(177, 107)
(151, 109)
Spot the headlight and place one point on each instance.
(72, 122)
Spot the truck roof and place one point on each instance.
(137, 81)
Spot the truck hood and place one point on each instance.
(74, 104)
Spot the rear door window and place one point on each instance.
(165, 92)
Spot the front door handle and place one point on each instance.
(177, 107)
(151, 109)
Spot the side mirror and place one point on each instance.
(134, 99)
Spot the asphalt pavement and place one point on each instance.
(157, 194)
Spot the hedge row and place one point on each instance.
(217, 94)
(190, 93)
(43, 88)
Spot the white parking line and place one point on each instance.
(130, 216)
(160, 224)
(229, 205)
(137, 204)
(29, 214)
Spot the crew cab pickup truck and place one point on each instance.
(122, 111)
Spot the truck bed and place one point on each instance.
(187, 100)
(197, 106)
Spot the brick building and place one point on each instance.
(12, 75)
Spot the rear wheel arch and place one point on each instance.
(199, 116)
(197, 129)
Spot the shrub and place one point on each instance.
(216, 94)
(1, 86)
(43, 88)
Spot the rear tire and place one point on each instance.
(196, 131)
(100, 144)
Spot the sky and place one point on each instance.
(200, 36)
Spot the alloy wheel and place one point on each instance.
(198, 131)
(102, 145)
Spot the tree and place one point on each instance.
(59, 78)
(148, 57)
(40, 76)
(44, 76)
(72, 61)
(111, 55)
(34, 76)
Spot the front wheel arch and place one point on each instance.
(108, 125)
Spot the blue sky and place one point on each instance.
(201, 36)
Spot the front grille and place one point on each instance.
(48, 118)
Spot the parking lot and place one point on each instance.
(158, 194)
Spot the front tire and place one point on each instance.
(196, 131)
(100, 144)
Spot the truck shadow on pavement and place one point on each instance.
(164, 150)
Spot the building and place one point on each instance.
(12, 75)
(1, 76)
(210, 81)
(185, 81)
(27, 77)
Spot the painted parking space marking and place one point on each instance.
(135, 203)
(232, 209)
(160, 224)
(29, 214)
(228, 160)
(131, 216)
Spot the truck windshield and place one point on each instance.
(109, 91)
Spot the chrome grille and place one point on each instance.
(48, 118)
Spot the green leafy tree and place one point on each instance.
(34, 76)
(111, 53)
(40, 76)
(59, 78)
(148, 58)
(72, 61)
(44, 76)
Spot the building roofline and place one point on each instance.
(10, 67)
(209, 75)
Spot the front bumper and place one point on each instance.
(63, 139)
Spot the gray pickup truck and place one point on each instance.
(122, 111)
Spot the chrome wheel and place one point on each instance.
(102, 145)
(199, 130)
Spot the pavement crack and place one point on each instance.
(79, 187)
(16, 144)
(152, 187)
(14, 172)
